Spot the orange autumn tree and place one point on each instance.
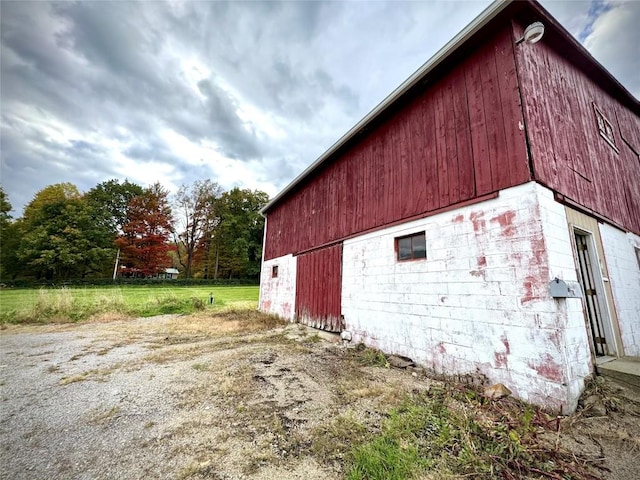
(144, 242)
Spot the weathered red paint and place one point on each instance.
(569, 154)
(500, 359)
(505, 220)
(535, 283)
(505, 342)
(286, 310)
(548, 368)
(319, 287)
(528, 284)
(481, 271)
(555, 338)
(479, 224)
(452, 140)
(458, 219)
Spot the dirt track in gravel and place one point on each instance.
(204, 397)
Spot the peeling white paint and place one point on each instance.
(479, 304)
(278, 295)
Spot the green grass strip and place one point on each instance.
(75, 304)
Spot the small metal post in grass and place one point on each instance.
(211, 298)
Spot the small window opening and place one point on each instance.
(411, 247)
(274, 271)
(604, 127)
(637, 255)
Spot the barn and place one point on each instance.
(483, 220)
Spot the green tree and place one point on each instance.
(236, 249)
(9, 240)
(144, 242)
(195, 208)
(111, 199)
(48, 195)
(5, 207)
(61, 238)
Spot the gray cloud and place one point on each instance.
(248, 93)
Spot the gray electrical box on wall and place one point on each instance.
(561, 289)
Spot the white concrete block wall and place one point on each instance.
(574, 334)
(480, 302)
(278, 295)
(624, 275)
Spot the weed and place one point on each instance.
(449, 432)
(198, 304)
(599, 387)
(332, 440)
(315, 338)
(372, 357)
(384, 458)
(200, 367)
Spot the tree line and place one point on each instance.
(122, 229)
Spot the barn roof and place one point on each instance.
(528, 10)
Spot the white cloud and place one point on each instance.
(615, 41)
(245, 93)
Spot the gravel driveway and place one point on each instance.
(218, 397)
(170, 397)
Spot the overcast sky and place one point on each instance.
(247, 94)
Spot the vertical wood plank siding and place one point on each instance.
(319, 287)
(459, 138)
(569, 154)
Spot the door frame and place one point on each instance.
(612, 345)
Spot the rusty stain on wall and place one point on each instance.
(548, 368)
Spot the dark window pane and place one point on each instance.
(419, 246)
(404, 248)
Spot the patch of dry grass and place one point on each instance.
(109, 317)
(96, 374)
(105, 416)
(74, 378)
(237, 383)
(229, 321)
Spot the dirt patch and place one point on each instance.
(232, 396)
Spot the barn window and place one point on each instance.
(637, 255)
(411, 247)
(605, 128)
(274, 271)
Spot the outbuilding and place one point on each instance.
(483, 220)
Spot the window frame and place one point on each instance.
(605, 127)
(274, 271)
(411, 236)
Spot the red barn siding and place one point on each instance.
(569, 155)
(458, 139)
(319, 287)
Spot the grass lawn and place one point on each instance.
(73, 304)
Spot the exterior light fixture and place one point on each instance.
(532, 34)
